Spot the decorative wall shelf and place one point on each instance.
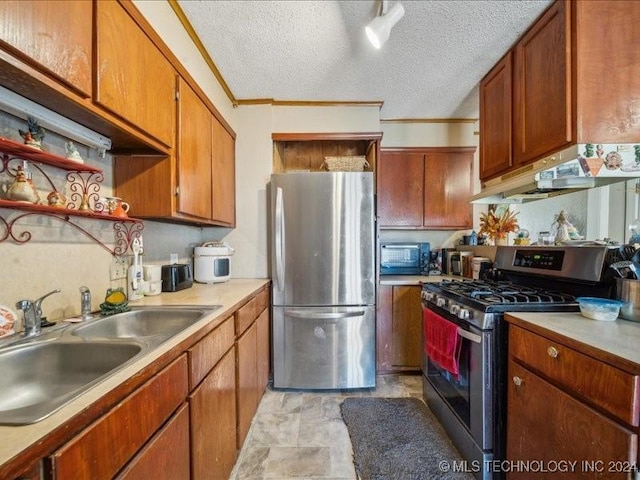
(84, 186)
(24, 152)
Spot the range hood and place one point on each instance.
(577, 167)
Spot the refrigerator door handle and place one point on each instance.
(323, 315)
(279, 240)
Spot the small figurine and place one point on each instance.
(72, 152)
(56, 199)
(34, 135)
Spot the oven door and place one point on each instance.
(467, 393)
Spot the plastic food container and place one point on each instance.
(599, 308)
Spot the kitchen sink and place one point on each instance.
(38, 378)
(146, 322)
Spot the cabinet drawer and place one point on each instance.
(207, 352)
(153, 460)
(262, 301)
(245, 316)
(598, 383)
(94, 453)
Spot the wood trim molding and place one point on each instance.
(309, 103)
(292, 137)
(426, 150)
(428, 120)
(201, 48)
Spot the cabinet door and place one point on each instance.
(223, 176)
(194, 154)
(263, 350)
(134, 79)
(213, 422)
(104, 447)
(542, 83)
(406, 328)
(496, 119)
(154, 462)
(247, 381)
(546, 424)
(400, 179)
(448, 190)
(57, 35)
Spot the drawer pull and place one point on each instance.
(553, 352)
(517, 381)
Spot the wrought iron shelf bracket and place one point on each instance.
(84, 184)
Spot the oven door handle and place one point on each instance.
(469, 336)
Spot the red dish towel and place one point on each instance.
(442, 343)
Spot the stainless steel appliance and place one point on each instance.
(465, 340)
(323, 269)
(404, 258)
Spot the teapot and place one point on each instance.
(22, 189)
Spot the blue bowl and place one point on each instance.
(596, 308)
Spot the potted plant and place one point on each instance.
(498, 225)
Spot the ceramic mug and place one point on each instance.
(116, 207)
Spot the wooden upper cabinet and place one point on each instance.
(607, 71)
(400, 187)
(133, 78)
(448, 189)
(542, 107)
(496, 101)
(54, 35)
(425, 187)
(194, 153)
(223, 176)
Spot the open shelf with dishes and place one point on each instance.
(84, 187)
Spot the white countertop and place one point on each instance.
(415, 279)
(229, 295)
(620, 337)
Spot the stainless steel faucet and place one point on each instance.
(85, 303)
(32, 311)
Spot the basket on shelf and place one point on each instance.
(356, 163)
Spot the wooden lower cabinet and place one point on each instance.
(98, 452)
(213, 422)
(399, 328)
(155, 462)
(247, 393)
(545, 424)
(567, 401)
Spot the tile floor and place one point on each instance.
(301, 435)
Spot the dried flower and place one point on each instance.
(498, 226)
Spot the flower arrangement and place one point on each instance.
(497, 226)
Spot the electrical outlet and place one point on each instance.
(119, 266)
(173, 258)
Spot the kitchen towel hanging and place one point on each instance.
(442, 343)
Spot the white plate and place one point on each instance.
(8, 319)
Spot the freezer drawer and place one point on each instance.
(324, 347)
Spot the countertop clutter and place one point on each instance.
(230, 295)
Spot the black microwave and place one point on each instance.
(404, 258)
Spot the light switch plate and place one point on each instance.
(119, 266)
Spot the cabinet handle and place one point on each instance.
(553, 352)
(517, 381)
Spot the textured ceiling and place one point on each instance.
(317, 50)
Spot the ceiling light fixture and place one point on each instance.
(379, 29)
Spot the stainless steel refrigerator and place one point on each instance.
(323, 277)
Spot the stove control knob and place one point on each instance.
(441, 302)
(431, 296)
(464, 314)
(454, 309)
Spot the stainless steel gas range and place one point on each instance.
(465, 340)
